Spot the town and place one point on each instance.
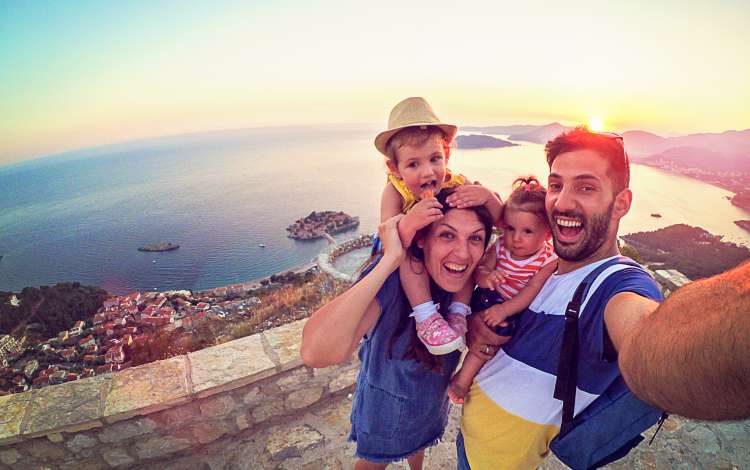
(321, 224)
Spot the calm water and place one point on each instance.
(82, 215)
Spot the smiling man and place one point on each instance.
(511, 415)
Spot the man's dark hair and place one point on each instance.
(609, 146)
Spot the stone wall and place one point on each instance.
(169, 408)
(328, 257)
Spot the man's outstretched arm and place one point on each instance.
(691, 356)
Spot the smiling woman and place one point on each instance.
(400, 405)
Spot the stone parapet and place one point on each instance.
(166, 408)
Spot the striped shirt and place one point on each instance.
(510, 415)
(518, 273)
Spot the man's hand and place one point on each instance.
(421, 215)
(482, 341)
(469, 195)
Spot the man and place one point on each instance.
(511, 415)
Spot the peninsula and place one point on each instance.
(159, 247)
(318, 224)
(743, 223)
(691, 250)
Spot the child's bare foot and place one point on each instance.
(457, 391)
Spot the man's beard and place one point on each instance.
(595, 231)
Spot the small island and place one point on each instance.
(656, 215)
(159, 247)
(319, 224)
(477, 141)
(741, 200)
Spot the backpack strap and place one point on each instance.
(567, 366)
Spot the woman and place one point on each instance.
(400, 405)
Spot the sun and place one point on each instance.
(596, 124)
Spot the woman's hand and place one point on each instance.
(393, 250)
(483, 342)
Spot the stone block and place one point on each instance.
(44, 450)
(60, 407)
(12, 409)
(176, 416)
(285, 341)
(55, 437)
(268, 409)
(147, 388)
(242, 421)
(80, 442)
(209, 431)
(10, 456)
(217, 406)
(116, 457)
(124, 430)
(346, 379)
(294, 380)
(303, 398)
(253, 396)
(160, 446)
(292, 442)
(229, 365)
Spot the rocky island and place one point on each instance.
(159, 247)
(476, 141)
(320, 224)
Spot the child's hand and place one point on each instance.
(389, 237)
(469, 195)
(493, 280)
(495, 315)
(423, 213)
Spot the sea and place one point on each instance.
(227, 197)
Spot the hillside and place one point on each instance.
(542, 134)
(691, 250)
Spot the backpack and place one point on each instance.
(611, 425)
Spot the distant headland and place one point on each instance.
(319, 224)
(477, 141)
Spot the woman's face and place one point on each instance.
(452, 248)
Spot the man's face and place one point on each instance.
(583, 212)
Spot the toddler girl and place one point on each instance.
(516, 266)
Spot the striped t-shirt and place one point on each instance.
(518, 273)
(511, 415)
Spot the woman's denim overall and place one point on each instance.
(399, 405)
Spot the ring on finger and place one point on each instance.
(486, 349)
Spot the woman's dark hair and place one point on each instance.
(416, 350)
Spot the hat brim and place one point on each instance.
(381, 140)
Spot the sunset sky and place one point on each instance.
(77, 73)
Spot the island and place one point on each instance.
(656, 215)
(741, 223)
(477, 141)
(693, 251)
(159, 247)
(321, 224)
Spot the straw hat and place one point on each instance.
(414, 111)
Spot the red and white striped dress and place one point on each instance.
(518, 273)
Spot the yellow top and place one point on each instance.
(409, 199)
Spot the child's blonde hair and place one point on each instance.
(414, 136)
(528, 196)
